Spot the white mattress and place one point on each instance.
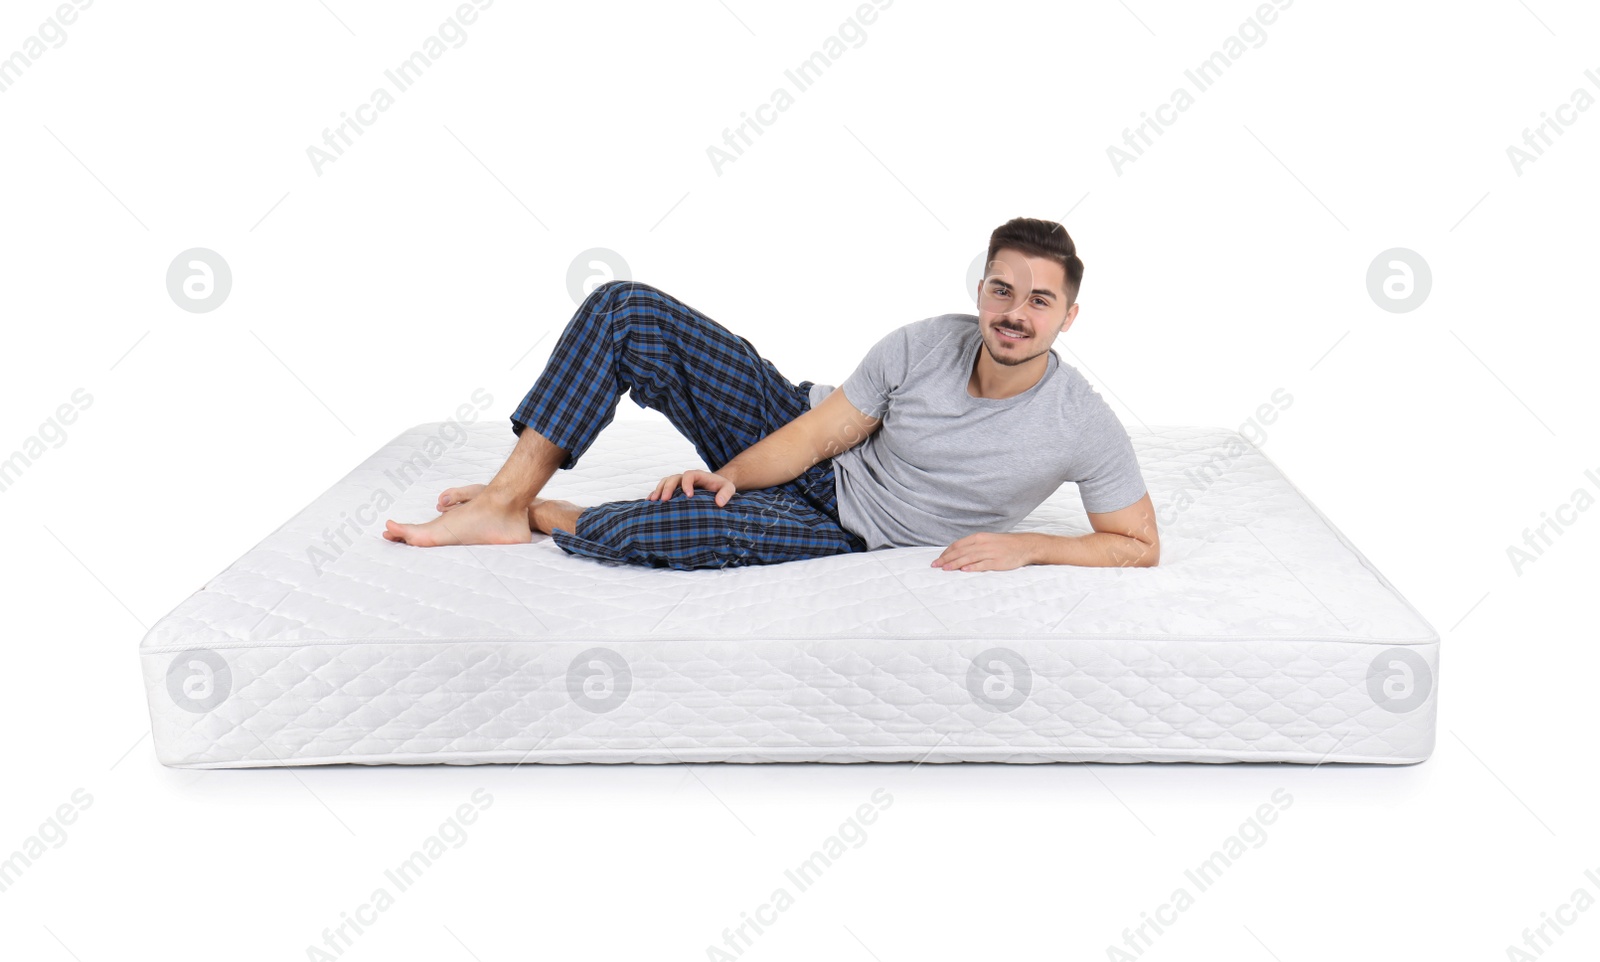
(1263, 635)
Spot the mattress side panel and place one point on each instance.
(840, 700)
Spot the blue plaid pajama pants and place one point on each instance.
(720, 394)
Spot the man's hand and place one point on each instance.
(988, 551)
(668, 486)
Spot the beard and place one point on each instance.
(1008, 358)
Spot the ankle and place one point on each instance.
(547, 515)
(505, 500)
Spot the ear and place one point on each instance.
(1072, 315)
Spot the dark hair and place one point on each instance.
(1040, 238)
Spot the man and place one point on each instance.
(950, 432)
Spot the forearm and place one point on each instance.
(781, 456)
(1097, 549)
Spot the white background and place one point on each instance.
(1227, 262)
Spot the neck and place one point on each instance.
(997, 381)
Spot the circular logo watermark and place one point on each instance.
(599, 680)
(199, 280)
(975, 275)
(1399, 280)
(199, 680)
(1000, 680)
(594, 267)
(978, 275)
(1399, 680)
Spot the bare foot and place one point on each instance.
(455, 497)
(482, 519)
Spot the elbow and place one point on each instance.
(1142, 556)
(1145, 554)
(1149, 542)
(1128, 551)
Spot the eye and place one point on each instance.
(1040, 301)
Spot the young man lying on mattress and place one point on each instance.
(950, 432)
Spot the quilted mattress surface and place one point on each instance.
(1263, 635)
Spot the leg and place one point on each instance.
(496, 513)
(768, 526)
(712, 385)
(548, 515)
(622, 542)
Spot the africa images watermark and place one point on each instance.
(1197, 480)
(451, 834)
(52, 434)
(1555, 923)
(853, 32)
(51, 834)
(852, 834)
(52, 32)
(403, 77)
(1552, 525)
(1253, 32)
(1535, 139)
(450, 435)
(1252, 834)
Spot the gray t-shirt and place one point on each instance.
(945, 464)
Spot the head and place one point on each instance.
(1029, 288)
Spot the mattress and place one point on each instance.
(1263, 635)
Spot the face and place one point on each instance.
(1022, 306)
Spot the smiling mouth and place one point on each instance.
(1008, 335)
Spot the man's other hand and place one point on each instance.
(668, 486)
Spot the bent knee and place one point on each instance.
(620, 290)
(622, 306)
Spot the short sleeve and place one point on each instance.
(880, 373)
(1104, 465)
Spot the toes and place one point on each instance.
(455, 497)
(415, 535)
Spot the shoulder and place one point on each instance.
(920, 338)
(939, 326)
(1081, 403)
(948, 329)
